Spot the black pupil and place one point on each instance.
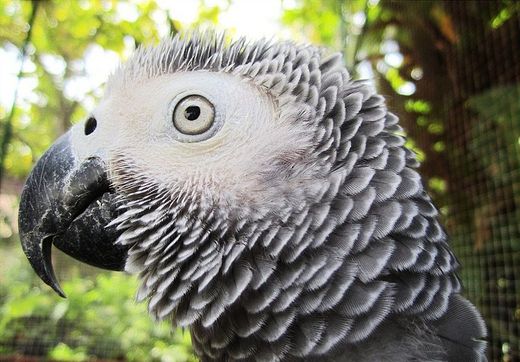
(90, 126)
(192, 113)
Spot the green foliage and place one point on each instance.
(498, 112)
(509, 10)
(62, 352)
(418, 106)
(437, 185)
(499, 104)
(64, 32)
(339, 25)
(99, 318)
(324, 15)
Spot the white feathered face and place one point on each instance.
(212, 135)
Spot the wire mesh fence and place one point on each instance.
(476, 97)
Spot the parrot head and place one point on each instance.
(195, 145)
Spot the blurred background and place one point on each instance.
(449, 69)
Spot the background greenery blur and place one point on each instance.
(450, 69)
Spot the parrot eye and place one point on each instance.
(193, 115)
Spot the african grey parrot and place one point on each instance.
(266, 201)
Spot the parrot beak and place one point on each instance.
(69, 204)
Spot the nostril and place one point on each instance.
(90, 126)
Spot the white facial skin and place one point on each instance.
(252, 137)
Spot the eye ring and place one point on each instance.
(193, 115)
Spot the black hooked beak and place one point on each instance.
(69, 204)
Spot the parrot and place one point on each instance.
(266, 201)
